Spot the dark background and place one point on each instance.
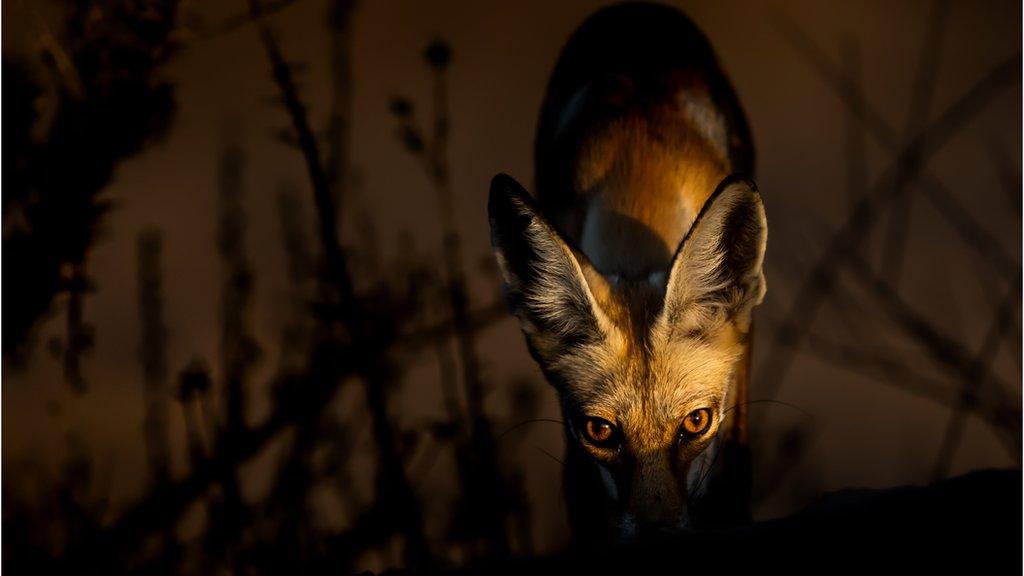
(832, 90)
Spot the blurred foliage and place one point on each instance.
(94, 94)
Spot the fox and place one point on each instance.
(634, 271)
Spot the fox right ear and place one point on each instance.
(717, 274)
(545, 281)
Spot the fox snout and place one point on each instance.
(655, 502)
(655, 498)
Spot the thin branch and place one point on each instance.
(853, 132)
(335, 264)
(477, 321)
(1009, 175)
(241, 19)
(922, 94)
(79, 338)
(981, 366)
(238, 347)
(878, 365)
(153, 356)
(339, 125)
(921, 98)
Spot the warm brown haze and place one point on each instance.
(333, 286)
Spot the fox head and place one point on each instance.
(643, 367)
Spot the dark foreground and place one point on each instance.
(970, 523)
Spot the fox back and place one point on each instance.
(634, 270)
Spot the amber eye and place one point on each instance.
(600, 432)
(697, 422)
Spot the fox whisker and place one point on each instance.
(530, 421)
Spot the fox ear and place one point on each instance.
(716, 275)
(545, 280)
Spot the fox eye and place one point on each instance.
(600, 432)
(697, 422)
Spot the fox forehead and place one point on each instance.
(649, 385)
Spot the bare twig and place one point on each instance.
(335, 265)
(241, 19)
(238, 348)
(1009, 176)
(79, 333)
(922, 94)
(339, 126)
(877, 364)
(980, 368)
(295, 337)
(476, 321)
(856, 161)
(921, 99)
(152, 353)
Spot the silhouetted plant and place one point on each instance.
(100, 81)
(153, 355)
(482, 515)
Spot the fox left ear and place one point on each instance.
(545, 280)
(716, 275)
